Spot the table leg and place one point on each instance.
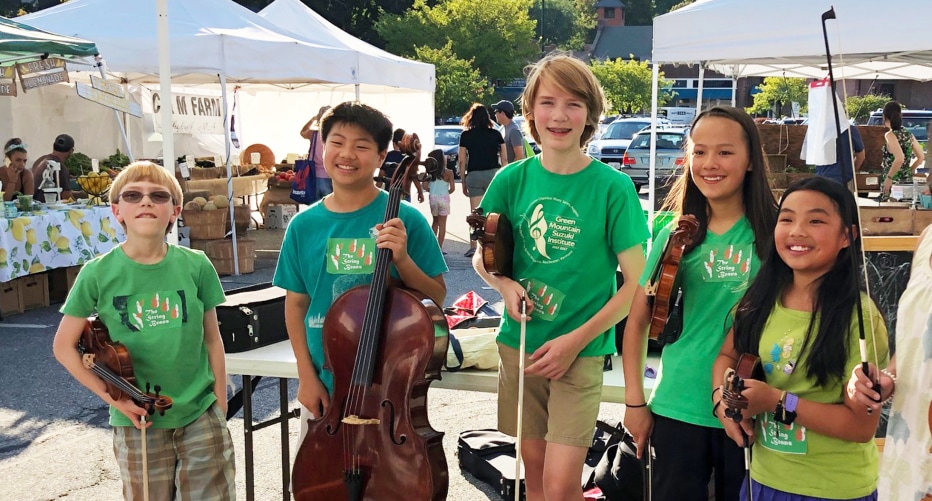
(247, 431)
(286, 455)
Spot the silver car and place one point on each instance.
(671, 157)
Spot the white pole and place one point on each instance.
(226, 145)
(734, 85)
(651, 185)
(699, 91)
(165, 87)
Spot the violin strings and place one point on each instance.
(366, 350)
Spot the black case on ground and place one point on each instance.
(252, 317)
(489, 455)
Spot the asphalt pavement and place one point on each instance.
(55, 442)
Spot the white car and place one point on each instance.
(610, 147)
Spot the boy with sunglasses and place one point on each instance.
(159, 301)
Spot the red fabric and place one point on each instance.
(465, 307)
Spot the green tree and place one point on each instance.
(860, 107)
(560, 19)
(459, 84)
(639, 12)
(627, 85)
(496, 34)
(780, 91)
(680, 5)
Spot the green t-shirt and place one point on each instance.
(568, 231)
(325, 254)
(157, 312)
(794, 459)
(714, 276)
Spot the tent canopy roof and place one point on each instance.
(207, 38)
(866, 41)
(374, 65)
(18, 41)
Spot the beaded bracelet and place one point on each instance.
(893, 377)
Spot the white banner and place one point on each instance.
(192, 113)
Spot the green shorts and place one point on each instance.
(562, 411)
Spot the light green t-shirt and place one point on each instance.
(157, 312)
(794, 459)
(568, 231)
(714, 276)
(325, 254)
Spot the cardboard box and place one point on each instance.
(35, 290)
(278, 216)
(61, 280)
(11, 298)
(887, 220)
(220, 253)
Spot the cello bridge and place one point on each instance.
(356, 420)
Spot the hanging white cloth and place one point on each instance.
(819, 145)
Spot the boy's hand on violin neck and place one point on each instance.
(133, 412)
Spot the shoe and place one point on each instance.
(444, 252)
(470, 252)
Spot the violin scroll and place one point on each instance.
(748, 367)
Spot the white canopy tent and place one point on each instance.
(212, 42)
(283, 80)
(866, 41)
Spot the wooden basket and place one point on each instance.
(220, 253)
(887, 220)
(206, 224)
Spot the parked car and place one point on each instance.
(611, 146)
(915, 121)
(447, 138)
(671, 156)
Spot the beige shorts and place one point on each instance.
(562, 411)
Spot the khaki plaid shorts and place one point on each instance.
(194, 463)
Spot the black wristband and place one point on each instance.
(631, 406)
(715, 408)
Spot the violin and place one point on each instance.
(664, 283)
(111, 362)
(496, 240)
(384, 345)
(748, 367)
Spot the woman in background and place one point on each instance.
(482, 152)
(898, 149)
(16, 178)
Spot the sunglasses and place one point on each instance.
(134, 197)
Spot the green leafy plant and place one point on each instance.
(78, 163)
(115, 161)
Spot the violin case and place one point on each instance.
(252, 317)
(489, 455)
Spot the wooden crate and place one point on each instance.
(206, 224)
(887, 220)
(776, 162)
(868, 182)
(35, 290)
(220, 253)
(921, 219)
(11, 298)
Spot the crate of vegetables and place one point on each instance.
(283, 179)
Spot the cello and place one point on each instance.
(384, 345)
(663, 292)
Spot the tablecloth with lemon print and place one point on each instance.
(38, 241)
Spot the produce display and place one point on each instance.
(95, 184)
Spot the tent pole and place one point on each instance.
(651, 185)
(699, 91)
(226, 148)
(165, 87)
(116, 114)
(734, 86)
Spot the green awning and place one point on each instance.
(20, 40)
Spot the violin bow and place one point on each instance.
(862, 338)
(521, 348)
(145, 460)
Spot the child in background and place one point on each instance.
(575, 221)
(159, 300)
(438, 182)
(725, 187)
(811, 440)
